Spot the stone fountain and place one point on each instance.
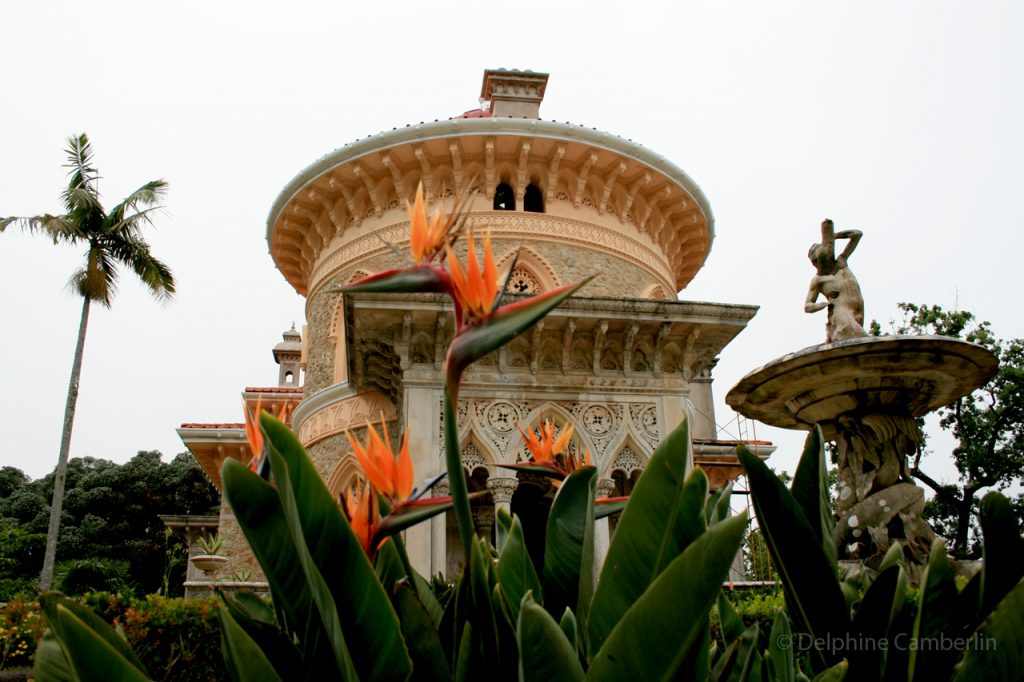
(866, 393)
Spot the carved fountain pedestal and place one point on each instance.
(866, 394)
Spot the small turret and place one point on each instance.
(288, 355)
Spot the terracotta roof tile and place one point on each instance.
(273, 389)
(193, 425)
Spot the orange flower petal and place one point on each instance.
(404, 479)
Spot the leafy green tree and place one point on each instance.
(988, 425)
(112, 512)
(112, 239)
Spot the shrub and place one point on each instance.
(81, 576)
(21, 627)
(176, 639)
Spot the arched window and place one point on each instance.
(504, 198)
(533, 201)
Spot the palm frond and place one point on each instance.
(133, 252)
(57, 227)
(82, 192)
(118, 223)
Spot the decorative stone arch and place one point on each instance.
(421, 348)
(346, 472)
(581, 357)
(474, 455)
(671, 358)
(625, 466)
(443, 185)
(410, 180)
(617, 199)
(641, 357)
(363, 202)
(594, 189)
(475, 169)
(655, 291)
(565, 184)
(611, 353)
(505, 171)
(532, 271)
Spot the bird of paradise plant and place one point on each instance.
(549, 454)
(386, 503)
(253, 434)
(482, 323)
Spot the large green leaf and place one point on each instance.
(51, 665)
(485, 624)
(652, 639)
(781, 663)
(257, 508)
(254, 616)
(420, 634)
(92, 650)
(664, 514)
(244, 658)
(813, 597)
(569, 546)
(319, 590)
(810, 489)
(741, 661)
(456, 474)
(368, 621)
(502, 527)
(936, 617)
(836, 673)
(996, 651)
(515, 569)
(1003, 550)
(717, 507)
(874, 621)
(544, 651)
(732, 624)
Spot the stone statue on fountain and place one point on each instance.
(835, 283)
(866, 394)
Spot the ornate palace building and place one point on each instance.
(624, 360)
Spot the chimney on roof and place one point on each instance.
(513, 93)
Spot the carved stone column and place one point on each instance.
(602, 535)
(439, 533)
(502, 490)
(483, 519)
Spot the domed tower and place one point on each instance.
(623, 359)
(288, 354)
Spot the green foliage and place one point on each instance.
(80, 576)
(21, 627)
(21, 553)
(988, 425)
(111, 513)
(878, 622)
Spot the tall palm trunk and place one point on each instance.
(46, 577)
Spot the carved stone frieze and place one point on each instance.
(348, 413)
(495, 424)
(512, 225)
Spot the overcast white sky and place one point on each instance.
(902, 119)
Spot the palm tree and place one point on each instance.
(112, 239)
